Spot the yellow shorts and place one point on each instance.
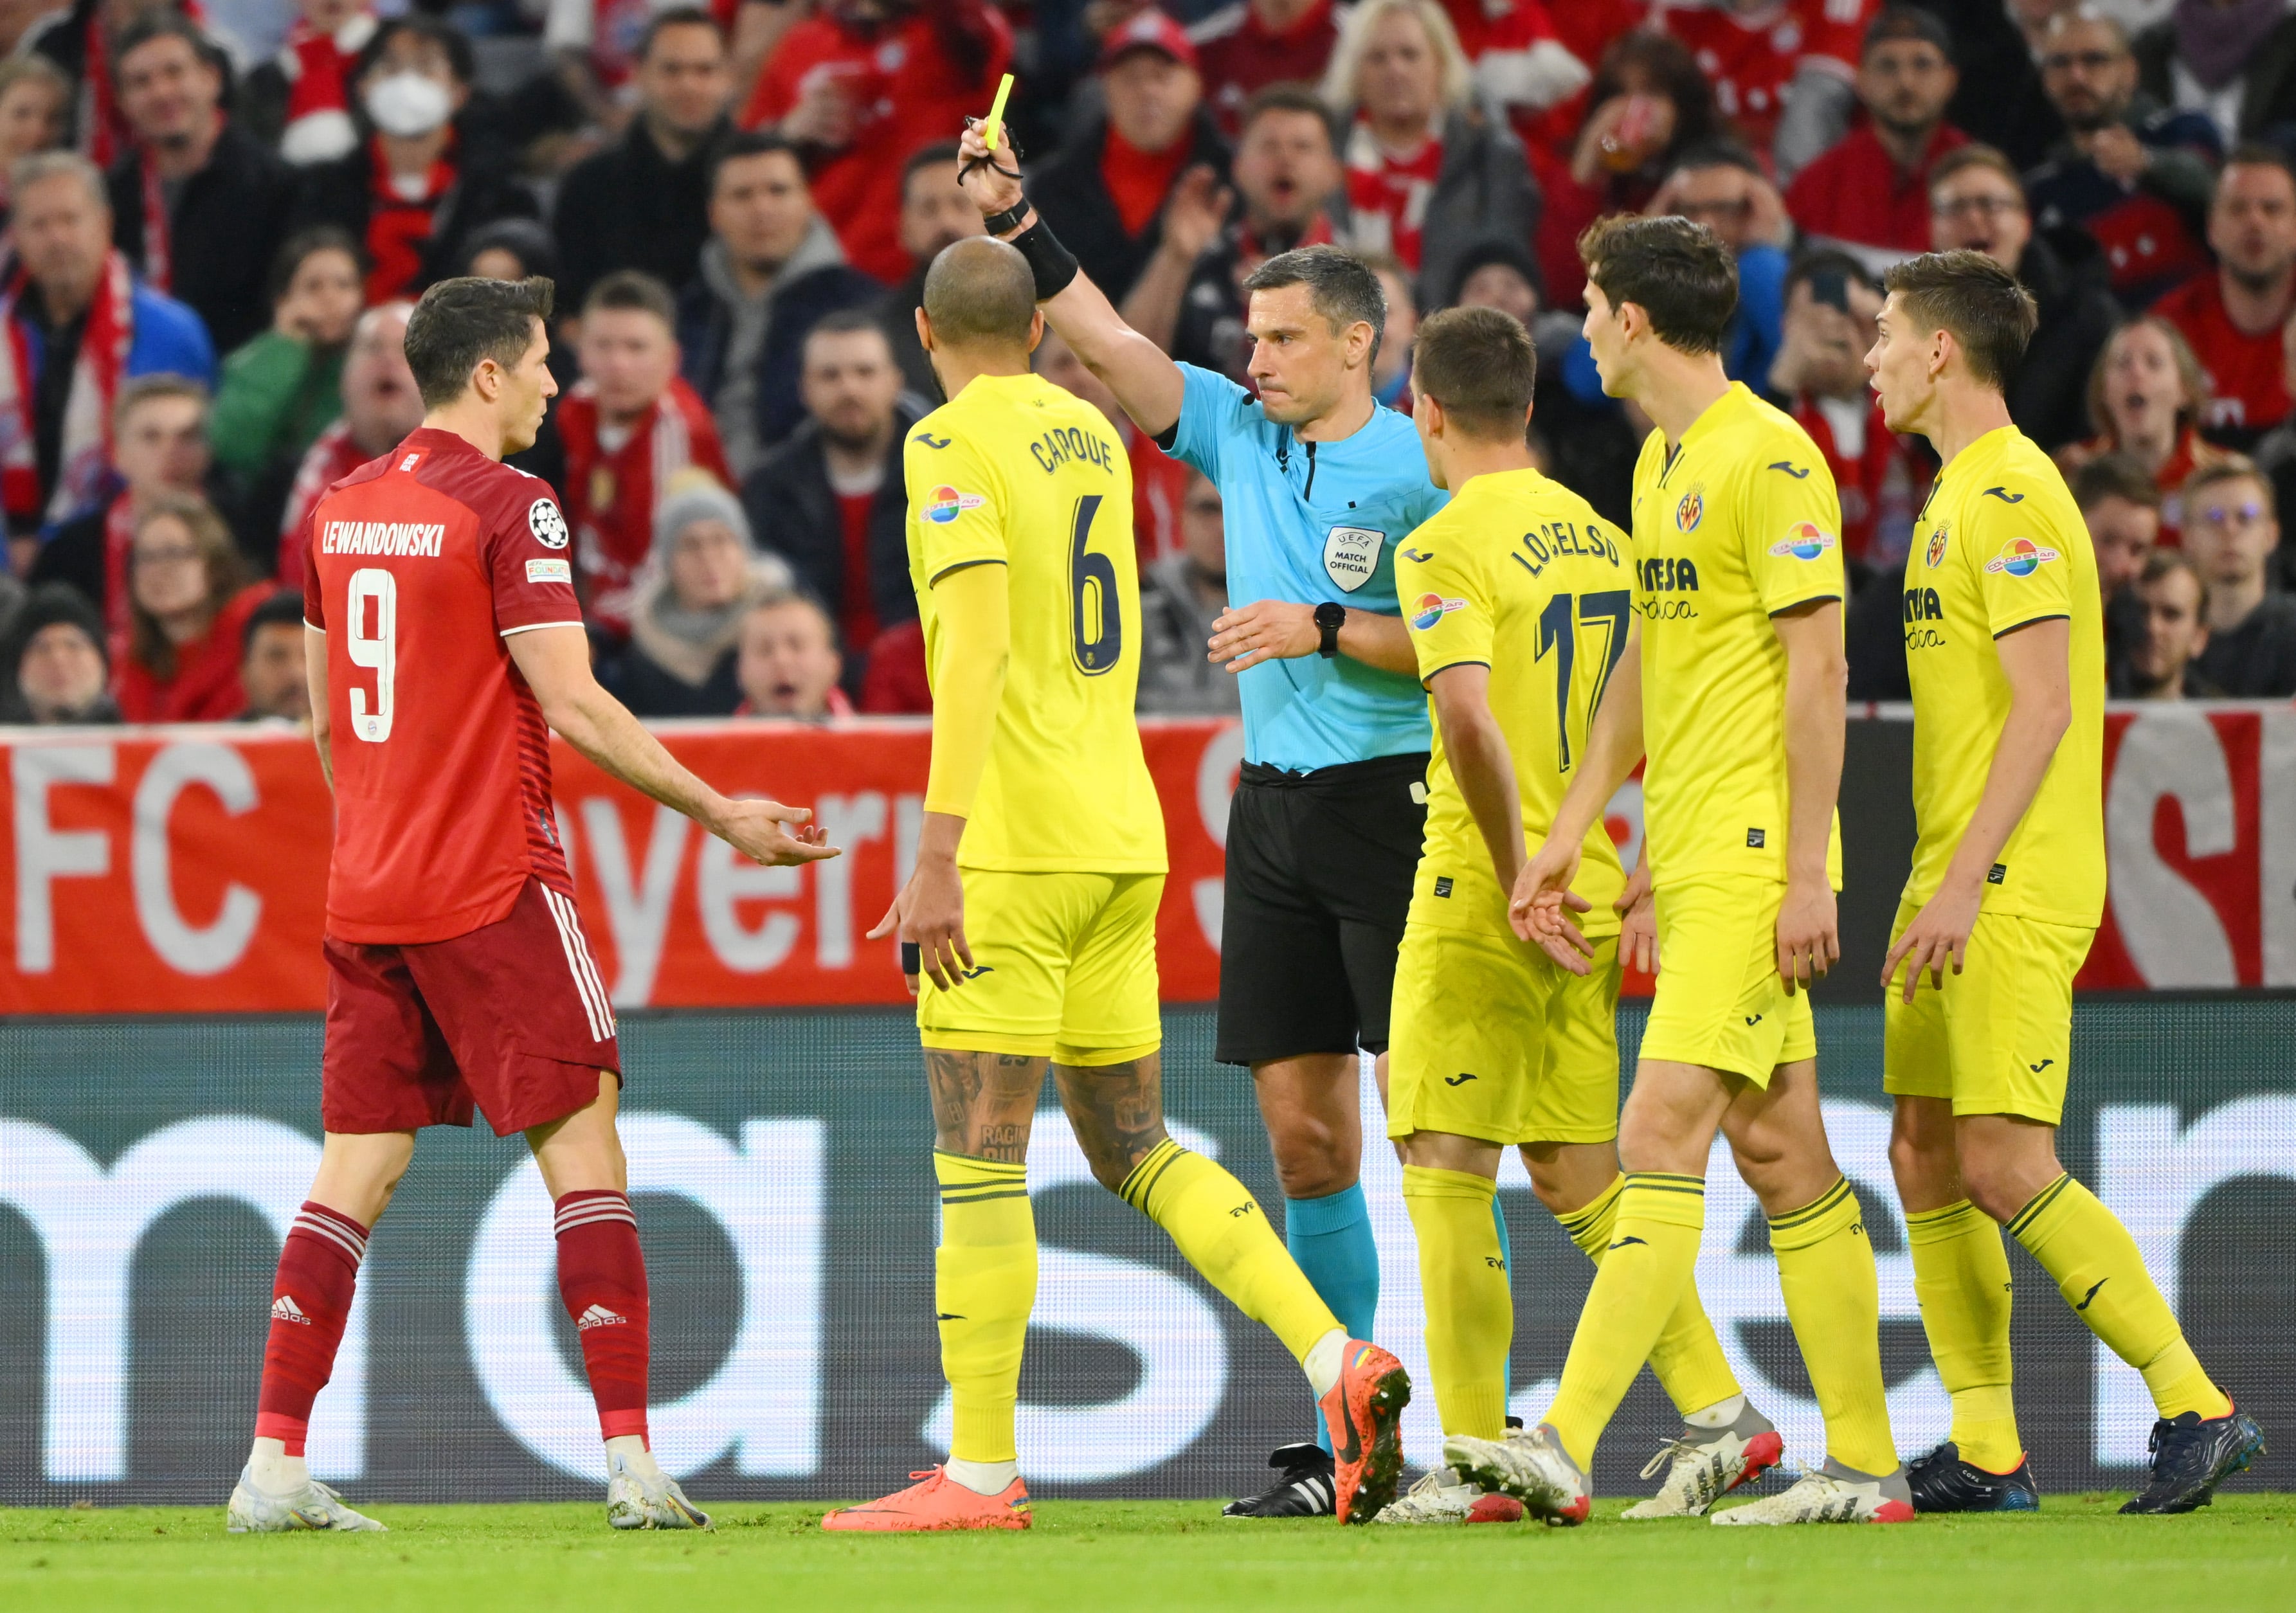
(1720, 1000)
(1999, 1038)
(1490, 1039)
(1064, 968)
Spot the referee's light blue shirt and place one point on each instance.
(1309, 522)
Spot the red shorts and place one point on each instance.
(512, 1015)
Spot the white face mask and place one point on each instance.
(407, 104)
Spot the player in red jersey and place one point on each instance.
(444, 643)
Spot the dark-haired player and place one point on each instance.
(2005, 644)
(444, 643)
(1732, 679)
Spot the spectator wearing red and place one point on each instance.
(299, 102)
(2232, 318)
(1976, 201)
(2146, 398)
(1190, 301)
(1429, 175)
(82, 40)
(643, 202)
(1783, 72)
(2133, 174)
(935, 214)
(197, 205)
(789, 665)
(896, 683)
(861, 85)
(770, 270)
(831, 500)
(628, 427)
(189, 601)
(1651, 104)
(1104, 193)
(418, 188)
(1820, 372)
(1870, 194)
(159, 450)
(1247, 45)
(1521, 64)
(381, 405)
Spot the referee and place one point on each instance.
(1319, 486)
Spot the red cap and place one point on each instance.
(1150, 29)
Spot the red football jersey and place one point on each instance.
(1752, 56)
(417, 567)
(2247, 386)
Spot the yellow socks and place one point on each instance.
(1833, 1300)
(1222, 1232)
(2101, 1275)
(1463, 1278)
(984, 1286)
(1688, 1357)
(1960, 1277)
(1646, 1268)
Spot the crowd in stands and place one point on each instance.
(215, 215)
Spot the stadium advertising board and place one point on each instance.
(183, 871)
(149, 1167)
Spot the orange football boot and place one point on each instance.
(1364, 1412)
(938, 1502)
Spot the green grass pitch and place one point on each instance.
(1097, 1557)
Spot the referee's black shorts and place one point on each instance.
(1319, 873)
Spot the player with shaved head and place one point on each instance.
(1029, 927)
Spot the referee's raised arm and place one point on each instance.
(1143, 378)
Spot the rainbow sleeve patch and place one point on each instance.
(1804, 540)
(2021, 557)
(945, 504)
(1429, 609)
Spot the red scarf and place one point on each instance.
(331, 457)
(397, 229)
(119, 540)
(1389, 195)
(317, 67)
(158, 269)
(612, 495)
(101, 360)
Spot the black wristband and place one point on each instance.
(913, 960)
(1009, 220)
(1053, 263)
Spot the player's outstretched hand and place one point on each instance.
(928, 912)
(1809, 934)
(1638, 931)
(773, 834)
(991, 178)
(1267, 630)
(1537, 908)
(1938, 935)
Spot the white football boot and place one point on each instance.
(1529, 1464)
(1833, 1494)
(639, 1495)
(1442, 1497)
(315, 1506)
(1702, 1465)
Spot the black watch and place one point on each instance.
(1330, 616)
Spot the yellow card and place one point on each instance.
(996, 125)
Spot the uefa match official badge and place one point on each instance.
(2021, 557)
(1935, 554)
(1351, 555)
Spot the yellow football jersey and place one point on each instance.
(1015, 472)
(2001, 544)
(1739, 523)
(1516, 573)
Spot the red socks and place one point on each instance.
(310, 1301)
(601, 1278)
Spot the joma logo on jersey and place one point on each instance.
(412, 538)
(945, 504)
(1667, 574)
(1065, 445)
(2021, 557)
(1558, 537)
